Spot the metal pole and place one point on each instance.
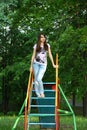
(19, 115)
(68, 106)
(57, 97)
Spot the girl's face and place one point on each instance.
(42, 38)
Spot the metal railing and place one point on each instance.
(27, 101)
(57, 97)
(59, 112)
(25, 105)
(67, 112)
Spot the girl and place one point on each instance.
(39, 63)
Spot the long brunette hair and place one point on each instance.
(38, 43)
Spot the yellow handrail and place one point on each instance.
(56, 80)
(27, 100)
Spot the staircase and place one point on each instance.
(48, 109)
(45, 109)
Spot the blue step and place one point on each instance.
(43, 98)
(46, 108)
(42, 106)
(38, 123)
(41, 115)
(46, 90)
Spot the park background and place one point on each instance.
(65, 24)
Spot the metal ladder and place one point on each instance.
(45, 109)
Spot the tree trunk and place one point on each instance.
(74, 100)
(85, 105)
(4, 97)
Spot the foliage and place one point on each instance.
(73, 53)
(63, 22)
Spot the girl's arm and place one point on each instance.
(51, 57)
(32, 58)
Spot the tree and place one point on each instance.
(64, 24)
(6, 11)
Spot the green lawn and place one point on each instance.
(6, 123)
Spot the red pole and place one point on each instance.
(57, 97)
(56, 118)
(57, 113)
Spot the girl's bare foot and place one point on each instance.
(42, 95)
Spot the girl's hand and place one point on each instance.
(55, 66)
(31, 69)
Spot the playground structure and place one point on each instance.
(49, 111)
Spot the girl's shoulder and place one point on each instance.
(35, 45)
(48, 45)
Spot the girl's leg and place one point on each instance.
(36, 84)
(40, 75)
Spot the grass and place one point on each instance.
(6, 123)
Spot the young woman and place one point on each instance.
(39, 63)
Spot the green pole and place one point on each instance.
(19, 115)
(64, 111)
(74, 121)
(65, 98)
